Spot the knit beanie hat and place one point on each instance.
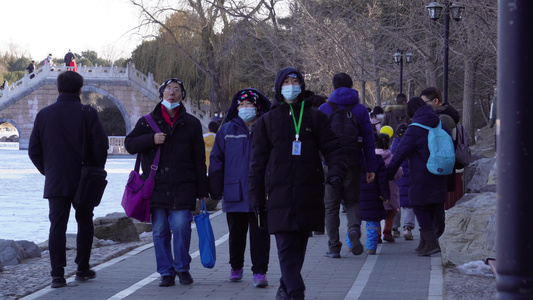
(167, 82)
(250, 96)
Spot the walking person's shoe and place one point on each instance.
(185, 278)
(357, 247)
(235, 275)
(387, 236)
(432, 244)
(421, 244)
(260, 280)
(395, 233)
(58, 282)
(371, 251)
(282, 294)
(332, 254)
(85, 275)
(167, 280)
(407, 234)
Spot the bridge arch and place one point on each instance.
(125, 116)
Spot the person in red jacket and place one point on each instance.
(73, 66)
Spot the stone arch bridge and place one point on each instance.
(133, 93)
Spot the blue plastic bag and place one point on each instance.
(206, 238)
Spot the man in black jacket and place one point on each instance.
(180, 179)
(55, 149)
(286, 175)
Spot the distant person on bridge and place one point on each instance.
(180, 180)
(73, 66)
(55, 148)
(31, 68)
(68, 58)
(48, 60)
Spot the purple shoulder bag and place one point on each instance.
(136, 198)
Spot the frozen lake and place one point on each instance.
(24, 212)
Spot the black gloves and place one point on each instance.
(335, 181)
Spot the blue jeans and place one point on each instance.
(166, 223)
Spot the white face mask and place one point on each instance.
(290, 92)
(169, 105)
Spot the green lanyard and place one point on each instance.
(297, 127)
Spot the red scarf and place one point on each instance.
(166, 116)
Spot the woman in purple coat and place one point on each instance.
(228, 177)
(427, 190)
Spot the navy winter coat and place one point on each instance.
(181, 176)
(292, 186)
(403, 183)
(372, 207)
(426, 188)
(345, 97)
(230, 158)
(56, 140)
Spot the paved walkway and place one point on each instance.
(396, 272)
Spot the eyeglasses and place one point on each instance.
(175, 90)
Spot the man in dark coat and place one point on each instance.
(344, 95)
(55, 148)
(68, 58)
(286, 175)
(427, 190)
(31, 68)
(180, 179)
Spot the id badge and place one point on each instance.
(296, 148)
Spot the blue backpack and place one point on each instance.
(441, 150)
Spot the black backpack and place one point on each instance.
(348, 130)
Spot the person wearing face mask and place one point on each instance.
(286, 174)
(180, 179)
(228, 177)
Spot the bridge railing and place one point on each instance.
(102, 73)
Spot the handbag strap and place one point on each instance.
(203, 206)
(85, 129)
(155, 164)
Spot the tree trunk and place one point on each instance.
(468, 98)
(362, 94)
(378, 92)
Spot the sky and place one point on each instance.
(37, 28)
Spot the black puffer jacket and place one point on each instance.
(181, 176)
(292, 186)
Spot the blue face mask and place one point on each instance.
(290, 92)
(170, 106)
(247, 114)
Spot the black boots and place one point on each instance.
(421, 244)
(431, 243)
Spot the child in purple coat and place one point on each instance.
(371, 203)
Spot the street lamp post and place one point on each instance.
(456, 10)
(398, 58)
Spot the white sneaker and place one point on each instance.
(407, 234)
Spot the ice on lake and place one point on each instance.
(24, 212)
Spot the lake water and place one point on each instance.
(24, 212)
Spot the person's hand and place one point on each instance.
(159, 138)
(370, 177)
(335, 181)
